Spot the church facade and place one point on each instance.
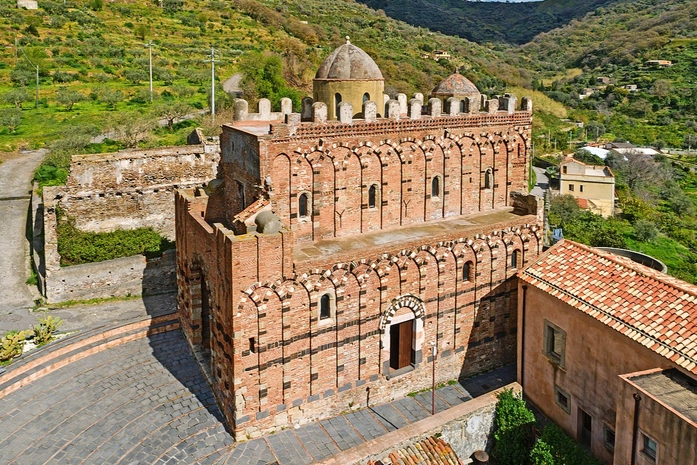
(338, 247)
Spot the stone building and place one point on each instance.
(607, 349)
(332, 254)
(592, 186)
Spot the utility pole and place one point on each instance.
(213, 61)
(433, 379)
(150, 46)
(36, 99)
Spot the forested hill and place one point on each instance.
(622, 34)
(515, 23)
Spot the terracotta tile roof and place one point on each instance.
(430, 451)
(583, 203)
(652, 308)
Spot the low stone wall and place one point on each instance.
(134, 275)
(467, 428)
(120, 277)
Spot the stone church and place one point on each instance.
(340, 247)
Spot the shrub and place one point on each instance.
(76, 247)
(513, 429)
(556, 448)
(11, 345)
(43, 332)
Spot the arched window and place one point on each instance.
(303, 205)
(337, 101)
(325, 306)
(373, 196)
(489, 178)
(435, 186)
(467, 271)
(366, 97)
(514, 259)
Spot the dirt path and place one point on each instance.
(16, 173)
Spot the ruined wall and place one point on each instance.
(120, 277)
(277, 363)
(134, 188)
(122, 190)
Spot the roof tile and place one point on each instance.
(648, 306)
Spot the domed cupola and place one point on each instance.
(458, 86)
(348, 74)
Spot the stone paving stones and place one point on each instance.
(389, 417)
(453, 394)
(318, 444)
(366, 424)
(255, 452)
(411, 409)
(341, 431)
(288, 448)
(146, 402)
(424, 399)
(140, 402)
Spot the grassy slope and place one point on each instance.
(99, 46)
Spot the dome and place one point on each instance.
(349, 62)
(456, 85)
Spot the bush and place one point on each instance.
(11, 345)
(556, 448)
(43, 332)
(76, 247)
(513, 429)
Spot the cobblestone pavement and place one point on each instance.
(146, 401)
(325, 438)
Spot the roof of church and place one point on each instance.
(456, 85)
(349, 62)
(650, 307)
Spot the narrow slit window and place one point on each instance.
(302, 205)
(467, 272)
(325, 309)
(435, 186)
(373, 196)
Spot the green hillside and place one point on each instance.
(93, 65)
(643, 103)
(515, 23)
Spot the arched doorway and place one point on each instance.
(402, 327)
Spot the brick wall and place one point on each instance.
(277, 364)
(254, 300)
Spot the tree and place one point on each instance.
(588, 158)
(11, 119)
(16, 97)
(645, 231)
(69, 97)
(563, 209)
(595, 129)
(171, 111)
(130, 129)
(110, 96)
(135, 75)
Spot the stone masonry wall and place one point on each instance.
(134, 188)
(122, 190)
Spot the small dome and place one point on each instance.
(349, 62)
(456, 85)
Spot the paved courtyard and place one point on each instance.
(146, 401)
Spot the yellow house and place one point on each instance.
(594, 184)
